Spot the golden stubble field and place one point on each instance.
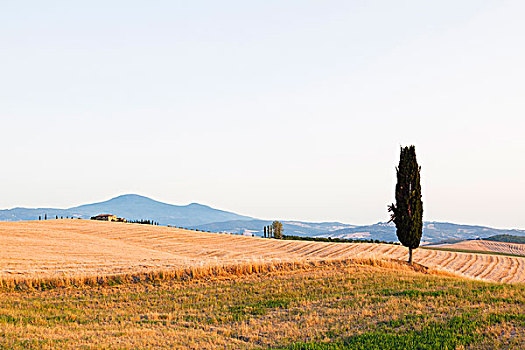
(75, 248)
(485, 246)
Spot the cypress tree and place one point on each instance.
(264, 232)
(407, 213)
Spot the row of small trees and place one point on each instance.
(145, 222)
(56, 217)
(275, 230)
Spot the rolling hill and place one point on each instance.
(72, 248)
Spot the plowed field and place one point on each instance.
(486, 246)
(54, 248)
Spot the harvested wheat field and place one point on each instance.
(79, 248)
(485, 246)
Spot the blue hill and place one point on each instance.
(132, 207)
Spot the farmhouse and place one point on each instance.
(105, 217)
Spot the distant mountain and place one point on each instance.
(432, 232)
(132, 207)
(204, 218)
(256, 227)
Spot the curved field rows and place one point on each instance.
(81, 248)
(486, 246)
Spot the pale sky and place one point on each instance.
(274, 109)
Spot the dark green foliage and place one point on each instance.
(407, 212)
(145, 222)
(506, 238)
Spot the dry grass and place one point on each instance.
(80, 250)
(366, 306)
(203, 272)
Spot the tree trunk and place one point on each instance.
(410, 255)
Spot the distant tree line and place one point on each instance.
(56, 217)
(335, 240)
(506, 238)
(144, 222)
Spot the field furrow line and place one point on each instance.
(460, 261)
(493, 262)
(503, 270)
(519, 275)
(514, 264)
(308, 249)
(448, 256)
(486, 262)
(337, 252)
(470, 263)
(391, 250)
(428, 256)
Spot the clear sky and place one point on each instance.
(274, 109)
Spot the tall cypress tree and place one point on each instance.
(407, 213)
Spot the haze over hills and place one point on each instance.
(205, 218)
(132, 207)
(432, 232)
(256, 227)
